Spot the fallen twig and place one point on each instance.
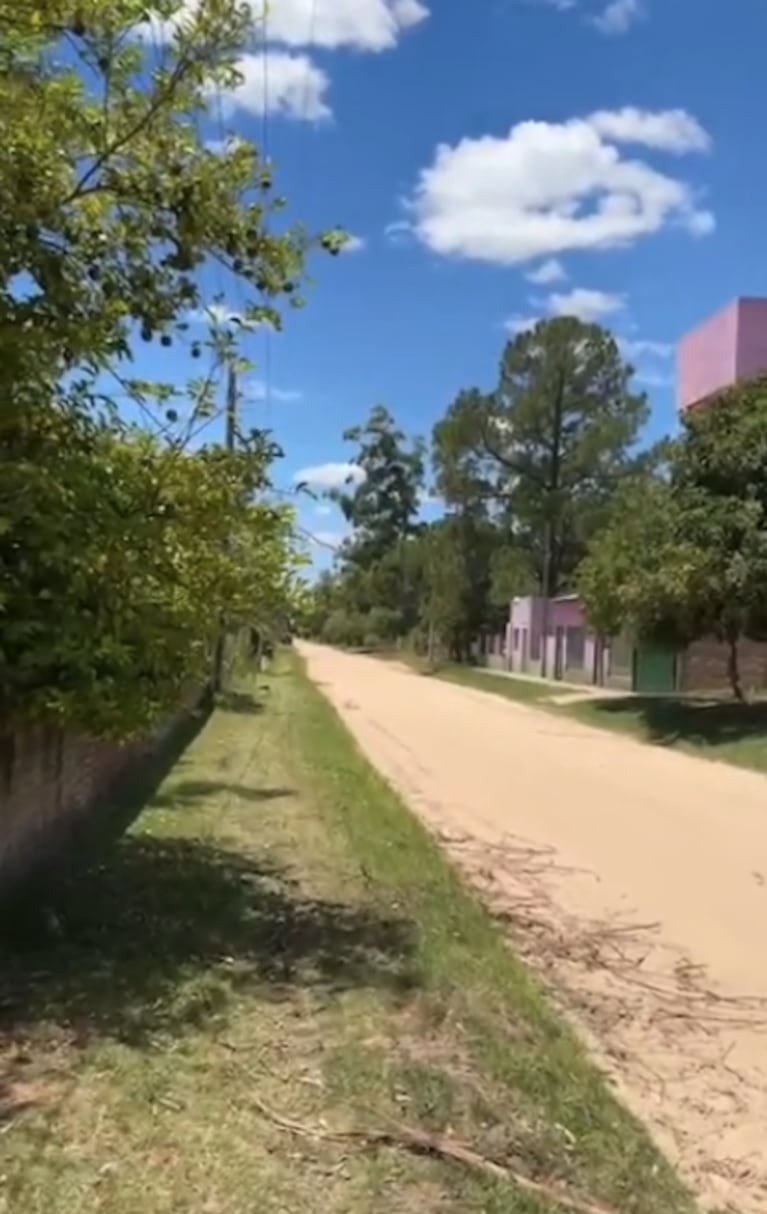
(421, 1142)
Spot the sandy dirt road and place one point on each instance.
(633, 879)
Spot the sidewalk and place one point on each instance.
(570, 691)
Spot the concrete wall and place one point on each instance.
(566, 613)
(703, 666)
(729, 346)
(707, 357)
(525, 624)
(751, 354)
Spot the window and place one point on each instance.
(515, 639)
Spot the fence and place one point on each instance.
(60, 791)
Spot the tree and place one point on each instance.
(112, 200)
(119, 553)
(123, 558)
(548, 448)
(382, 506)
(687, 557)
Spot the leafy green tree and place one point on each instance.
(123, 558)
(548, 448)
(120, 554)
(112, 202)
(382, 507)
(687, 558)
(459, 552)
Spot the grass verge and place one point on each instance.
(277, 930)
(707, 728)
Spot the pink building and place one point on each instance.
(572, 650)
(731, 345)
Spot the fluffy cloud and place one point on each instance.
(619, 16)
(548, 272)
(329, 476)
(519, 323)
(586, 304)
(548, 187)
(636, 348)
(355, 244)
(667, 130)
(257, 389)
(650, 359)
(296, 87)
(364, 25)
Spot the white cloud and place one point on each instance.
(229, 143)
(653, 378)
(588, 305)
(548, 272)
(330, 476)
(257, 389)
(520, 324)
(296, 87)
(363, 25)
(327, 539)
(545, 188)
(619, 16)
(324, 510)
(217, 314)
(668, 130)
(399, 232)
(635, 348)
(355, 244)
(702, 223)
(650, 360)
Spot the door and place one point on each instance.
(523, 666)
(654, 670)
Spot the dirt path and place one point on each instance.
(634, 879)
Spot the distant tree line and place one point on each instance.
(549, 486)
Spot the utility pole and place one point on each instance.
(550, 570)
(231, 406)
(230, 440)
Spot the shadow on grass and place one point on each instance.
(702, 723)
(166, 932)
(243, 703)
(190, 792)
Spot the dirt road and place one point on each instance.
(634, 879)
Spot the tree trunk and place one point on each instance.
(733, 669)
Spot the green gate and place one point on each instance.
(654, 670)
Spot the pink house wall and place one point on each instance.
(728, 346)
(525, 616)
(566, 613)
(751, 357)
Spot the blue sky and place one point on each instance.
(612, 150)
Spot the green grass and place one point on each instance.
(712, 729)
(278, 929)
(524, 691)
(707, 728)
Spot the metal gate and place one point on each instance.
(654, 670)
